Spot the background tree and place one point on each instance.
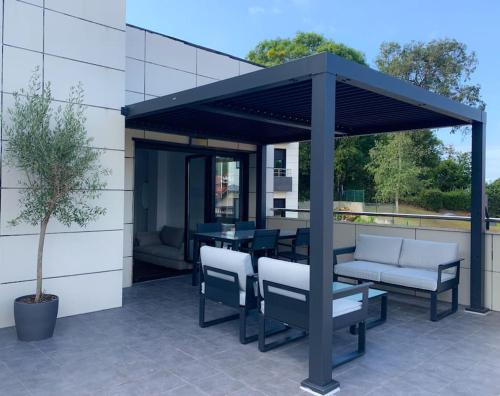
(453, 172)
(443, 66)
(493, 191)
(394, 168)
(61, 172)
(281, 50)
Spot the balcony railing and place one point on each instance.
(282, 172)
(346, 214)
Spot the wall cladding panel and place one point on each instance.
(108, 12)
(23, 25)
(84, 41)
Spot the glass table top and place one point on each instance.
(372, 293)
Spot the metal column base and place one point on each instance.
(477, 311)
(314, 389)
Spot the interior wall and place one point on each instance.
(171, 189)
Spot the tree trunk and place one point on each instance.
(39, 266)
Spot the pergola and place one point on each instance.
(317, 98)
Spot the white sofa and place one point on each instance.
(164, 247)
(428, 266)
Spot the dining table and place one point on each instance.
(231, 238)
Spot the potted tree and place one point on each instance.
(60, 176)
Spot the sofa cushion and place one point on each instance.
(379, 249)
(172, 236)
(148, 238)
(228, 260)
(161, 251)
(427, 254)
(414, 277)
(367, 270)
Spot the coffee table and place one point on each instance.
(373, 294)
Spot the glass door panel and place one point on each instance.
(227, 189)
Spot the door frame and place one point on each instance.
(210, 154)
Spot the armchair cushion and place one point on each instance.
(415, 278)
(228, 260)
(362, 270)
(285, 273)
(378, 249)
(427, 254)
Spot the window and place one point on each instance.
(277, 204)
(280, 158)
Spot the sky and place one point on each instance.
(236, 26)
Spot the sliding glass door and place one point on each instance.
(227, 189)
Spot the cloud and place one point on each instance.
(260, 10)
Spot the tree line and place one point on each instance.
(413, 167)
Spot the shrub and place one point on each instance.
(456, 200)
(431, 199)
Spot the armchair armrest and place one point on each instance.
(251, 290)
(445, 266)
(350, 291)
(341, 251)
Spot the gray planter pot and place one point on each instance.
(35, 321)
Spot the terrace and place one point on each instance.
(317, 98)
(153, 345)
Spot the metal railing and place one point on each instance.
(489, 220)
(282, 172)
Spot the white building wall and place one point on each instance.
(158, 65)
(70, 41)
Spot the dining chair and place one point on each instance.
(301, 240)
(264, 243)
(208, 227)
(244, 225)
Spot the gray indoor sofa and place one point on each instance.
(165, 248)
(424, 266)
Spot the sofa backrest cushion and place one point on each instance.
(227, 260)
(427, 254)
(379, 249)
(172, 236)
(284, 273)
(148, 238)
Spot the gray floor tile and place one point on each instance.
(153, 345)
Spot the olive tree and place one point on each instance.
(61, 174)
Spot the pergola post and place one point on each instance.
(321, 264)
(261, 169)
(478, 223)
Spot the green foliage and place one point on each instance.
(431, 199)
(394, 169)
(454, 172)
(456, 200)
(61, 172)
(493, 191)
(444, 66)
(281, 50)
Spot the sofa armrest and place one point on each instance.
(443, 267)
(341, 251)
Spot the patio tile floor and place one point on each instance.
(153, 346)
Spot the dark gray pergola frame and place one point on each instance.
(316, 98)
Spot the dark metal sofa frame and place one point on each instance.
(451, 284)
(294, 313)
